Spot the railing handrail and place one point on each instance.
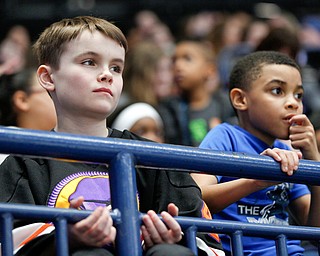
(45, 213)
(102, 150)
(123, 155)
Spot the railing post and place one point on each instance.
(6, 234)
(191, 234)
(124, 197)
(62, 248)
(281, 245)
(236, 243)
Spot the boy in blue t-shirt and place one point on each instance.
(266, 92)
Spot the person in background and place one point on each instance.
(141, 119)
(266, 92)
(14, 50)
(148, 27)
(24, 103)
(147, 75)
(196, 109)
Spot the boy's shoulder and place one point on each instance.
(226, 128)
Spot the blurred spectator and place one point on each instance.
(227, 43)
(199, 25)
(226, 59)
(141, 119)
(229, 32)
(267, 17)
(14, 50)
(191, 114)
(255, 32)
(149, 28)
(147, 75)
(24, 103)
(277, 17)
(309, 37)
(145, 21)
(162, 37)
(280, 39)
(309, 34)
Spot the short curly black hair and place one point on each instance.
(248, 68)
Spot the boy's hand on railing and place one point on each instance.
(96, 230)
(155, 231)
(288, 159)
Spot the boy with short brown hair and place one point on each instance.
(81, 64)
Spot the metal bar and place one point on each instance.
(100, 150)
(62, 242)
(236, 243)
(44, 213)
(190, 234)
(281, 245)
(124, 197)
(250, 229)
(6, 234)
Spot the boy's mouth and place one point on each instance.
(105, 90)
(288, 117)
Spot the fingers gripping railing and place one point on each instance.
(123, 155)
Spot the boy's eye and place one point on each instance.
(276, 91)
(88, 62)
(188, 58)
(299, 95)
(116, 69)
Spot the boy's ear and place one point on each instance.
(20, 101)
(238, 99)
(44, 77)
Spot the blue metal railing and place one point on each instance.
(123, 156)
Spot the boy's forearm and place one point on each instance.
(221, 195)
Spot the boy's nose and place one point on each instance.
(105, 76)
(292, 103)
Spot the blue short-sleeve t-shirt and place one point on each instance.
(267, 206)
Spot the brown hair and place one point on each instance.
(50, 45)
(139, 72)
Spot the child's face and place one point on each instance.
(41, 107)
(148, 128)
(89, 79)
(273, 98)
(191, 69)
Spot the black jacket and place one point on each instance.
(40, 181)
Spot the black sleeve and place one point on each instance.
(169, 112)
(14, 183)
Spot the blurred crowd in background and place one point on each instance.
(190, 99)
